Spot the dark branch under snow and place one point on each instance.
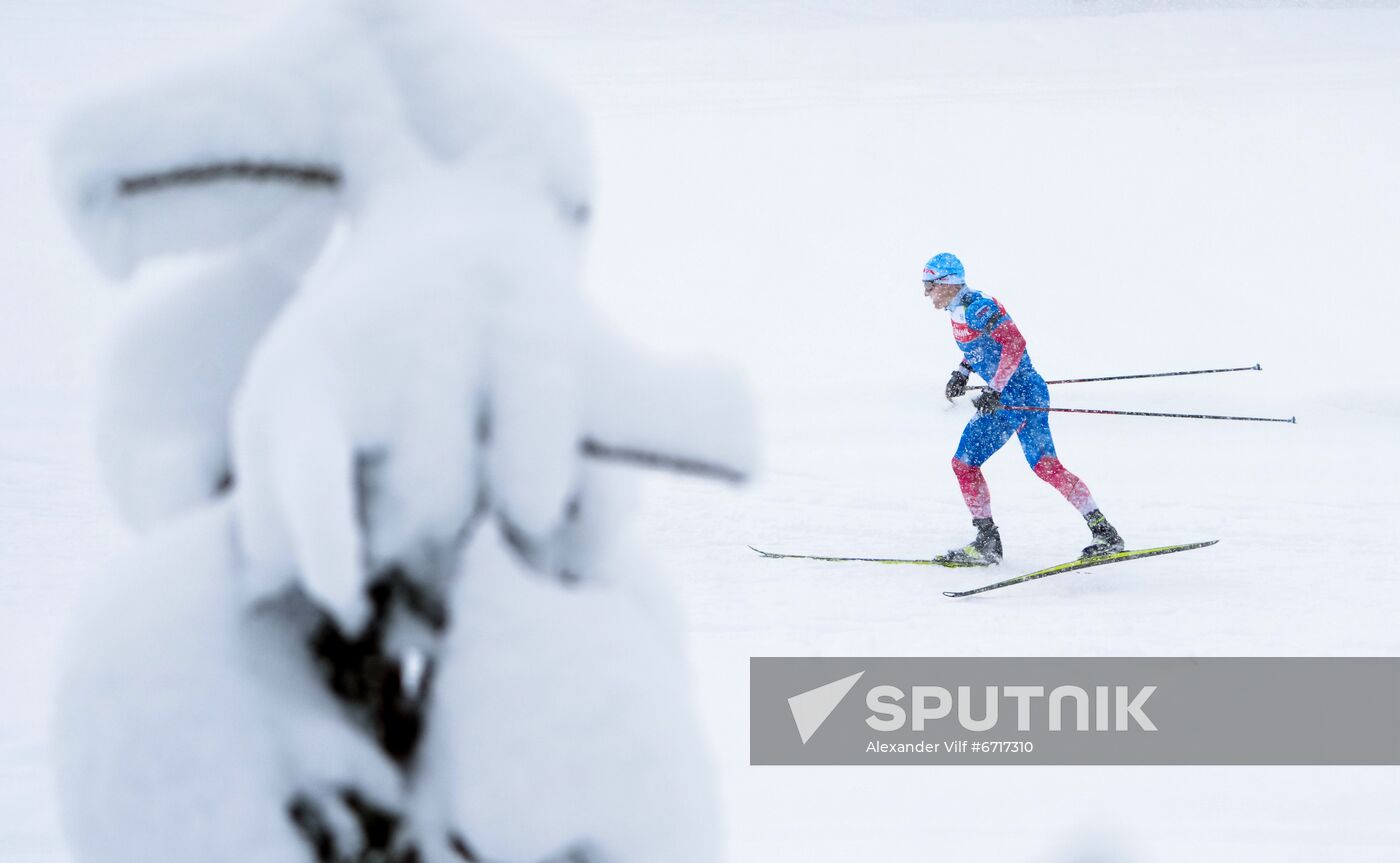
(258, 172)
(660, 461)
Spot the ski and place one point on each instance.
(1083, 563)
(951, 564)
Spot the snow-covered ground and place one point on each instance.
(1172, 189)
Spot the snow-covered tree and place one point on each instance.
(382, 605)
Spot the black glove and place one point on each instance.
(988, 402)
(957, 384)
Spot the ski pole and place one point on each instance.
(1254, 368)
(1293, 420)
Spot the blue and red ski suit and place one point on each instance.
(993, 347)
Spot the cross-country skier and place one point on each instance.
(993, 347)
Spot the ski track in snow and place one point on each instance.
(1144, 193)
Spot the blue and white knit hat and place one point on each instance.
(944, 268)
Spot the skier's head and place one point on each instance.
(943, 277)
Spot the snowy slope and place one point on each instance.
(1145, 192)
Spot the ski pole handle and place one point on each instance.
(1293, 420)
(1254, 368)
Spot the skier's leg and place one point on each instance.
(974, 488)
(982, 437)
(1071, 487)
(1039, 448)
(1053, 471)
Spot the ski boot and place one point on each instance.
(1106, 538)
(985, 550)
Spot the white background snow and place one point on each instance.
(1167, 189)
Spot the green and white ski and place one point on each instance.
(1083, 563)
(951, 564)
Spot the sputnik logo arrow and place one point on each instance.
(811, 708)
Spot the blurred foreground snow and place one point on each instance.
(378, 609)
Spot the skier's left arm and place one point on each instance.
(1013, 347)
(995, 322)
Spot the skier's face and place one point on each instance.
(941, 293)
